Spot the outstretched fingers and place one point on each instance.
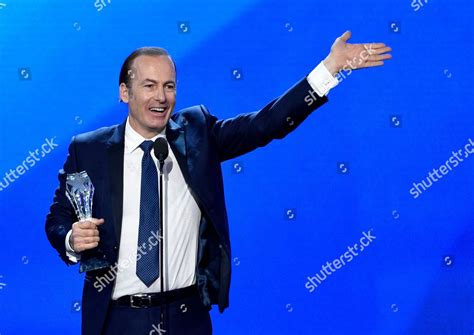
(373, 64)
(375, 58)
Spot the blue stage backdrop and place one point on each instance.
(375, 188)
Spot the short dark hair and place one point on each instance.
(125, 72)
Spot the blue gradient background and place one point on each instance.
(401, 284)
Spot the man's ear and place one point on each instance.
(124, 93)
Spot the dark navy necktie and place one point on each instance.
(148, 245)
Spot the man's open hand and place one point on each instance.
(348, 56)
(85, 234)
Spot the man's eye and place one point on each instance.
(170, 87)
(149, 85)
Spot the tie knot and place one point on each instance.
(147, 146)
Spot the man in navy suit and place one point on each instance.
(117, 248)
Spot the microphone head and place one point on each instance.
(160, 148)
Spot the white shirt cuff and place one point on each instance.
(73, 256)
(321, 80)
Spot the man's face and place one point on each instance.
(152, 95)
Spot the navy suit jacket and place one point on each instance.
(200, 143)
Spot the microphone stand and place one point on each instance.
(161, 244)
(160, 148)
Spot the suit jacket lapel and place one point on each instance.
(176, 138)
(115, 152)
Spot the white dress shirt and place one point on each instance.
(181, 216)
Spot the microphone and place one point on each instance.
(160, 148)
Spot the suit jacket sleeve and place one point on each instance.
(61, 215)
(246, 132)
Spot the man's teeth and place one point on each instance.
(157, 109)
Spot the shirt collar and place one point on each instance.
(134, 139)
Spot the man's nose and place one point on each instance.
(160, 95)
